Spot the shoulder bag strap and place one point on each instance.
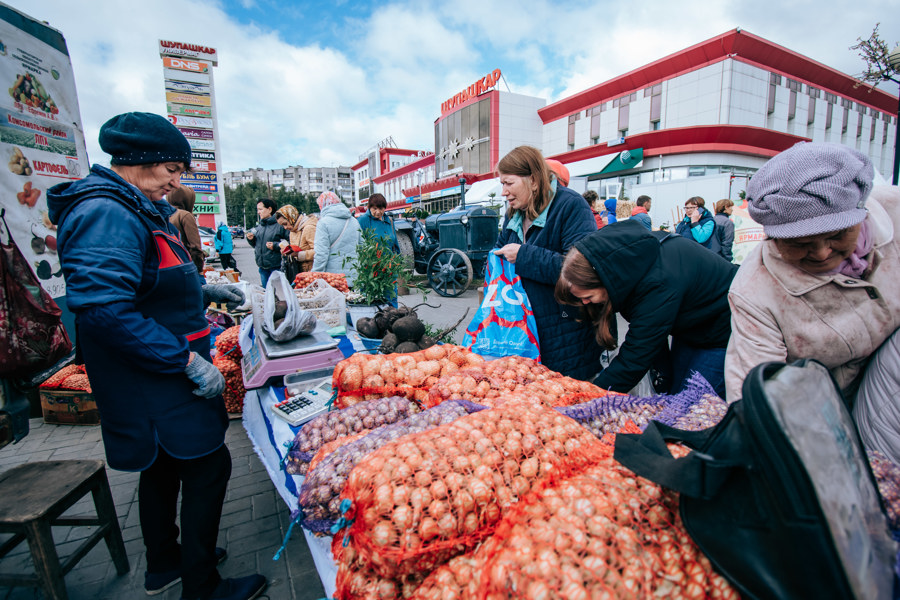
(697, 475)
(334, 243)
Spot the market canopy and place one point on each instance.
(620, 161)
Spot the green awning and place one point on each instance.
(625, 160)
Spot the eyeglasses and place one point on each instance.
(690, 207)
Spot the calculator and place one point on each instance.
(298, 407)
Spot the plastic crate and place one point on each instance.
(326, 303)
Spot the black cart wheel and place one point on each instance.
(449, 272)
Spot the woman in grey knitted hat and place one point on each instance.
(826, 282)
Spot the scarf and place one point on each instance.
(289, 213)
(856, 264)
(327, 199)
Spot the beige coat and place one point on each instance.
(781, 313)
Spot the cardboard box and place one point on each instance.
(69, 407)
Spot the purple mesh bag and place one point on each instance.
(609, 414)
(694, 408)
(338, 423)
(319, 497)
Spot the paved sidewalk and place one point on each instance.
(254, 522)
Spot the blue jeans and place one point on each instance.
(264, 275)
(709, 362)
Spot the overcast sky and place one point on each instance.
(317, 84)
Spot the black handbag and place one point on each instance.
(779, 495)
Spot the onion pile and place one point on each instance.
(887, 477)
(365, 376)
(459, 578)
(610, 414)
(340, 423)
(227, 344)
(332, 446)
(356, 580)
(421, 500)
(605, 533)
(336, 280)
(493, 382)
(228, 361)
(319, 496)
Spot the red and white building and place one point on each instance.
(718, 109)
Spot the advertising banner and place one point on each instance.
(196, 134)
(200, 187)
(202, 144)
(206, 209)
(192, 99)
(202, 155)
(181, 64)
(196, 111)
(203, 165)
(206, 198)
(189, 76)
(198, 178)
(187, 121)
(188, 88)
(41, 138)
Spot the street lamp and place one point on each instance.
(462, 192)
(894, 64)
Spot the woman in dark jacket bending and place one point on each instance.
(663, 285)
(542, 222)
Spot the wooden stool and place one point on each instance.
(34, 496)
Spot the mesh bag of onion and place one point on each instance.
(319, 497)
(695, 408)
(609, 414)
(603, 533)
(366, 376)
(418, 501)
(234, 391)
(339, 423)
(496, 381)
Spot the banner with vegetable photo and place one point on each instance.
(504, 324)
(41, 137)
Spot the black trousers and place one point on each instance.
(228, 261)
(202, 482)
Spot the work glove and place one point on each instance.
(208, 378)
(231, 295)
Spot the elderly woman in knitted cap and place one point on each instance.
(297, 255)
(336, 237)
(826, 283)
(139, 308)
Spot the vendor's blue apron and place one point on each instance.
(150, 409)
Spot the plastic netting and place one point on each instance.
(887, 478)
(234, 391)
(696, 407)
(365, 376)
(340, 423)
(319, 497)
(333, 445)
(603, 533)
(609, 414)
(70, 377)
(421, 500)
(355, 580)
(497, 381)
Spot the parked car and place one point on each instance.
(237, 231)
(208, 241)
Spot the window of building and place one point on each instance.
(655, 105)
(572, 119)
(595, 121)
(845, 120)
(623, 117)
(774, 82)
(872, 130)
(859, 119)
(696, 171)
(654, 125)
(623, 132)
(887, 123)
(794, 87)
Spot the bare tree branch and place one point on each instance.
(874, 52)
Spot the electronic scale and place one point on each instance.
(268, 361)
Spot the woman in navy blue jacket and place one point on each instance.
(139, 312)
(543, 221)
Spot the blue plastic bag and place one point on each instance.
(504, 324)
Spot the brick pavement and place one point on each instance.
(254, 521)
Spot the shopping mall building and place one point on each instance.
(698, 121)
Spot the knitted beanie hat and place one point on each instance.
(810, 189)
(139, 138)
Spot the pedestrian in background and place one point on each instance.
(641, 212)
(697, 224)
(381, 224)
(591, 197)
(265, 239)
(182, 198)
(609, 214)
(725, 228)
(337, 235)
(225, 246)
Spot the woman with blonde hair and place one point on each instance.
(298, 255)
(543, 221)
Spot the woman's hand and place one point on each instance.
(270, 245)
(695, 216)
(509, 252)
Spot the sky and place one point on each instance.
(319, 83)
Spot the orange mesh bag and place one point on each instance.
(604, 533)
(489, 380)
(338, 424)
(366, 376)
(234, 391)
(227, 344)
(71, 377)
(336, 280)
(418, 501)
(357, 581)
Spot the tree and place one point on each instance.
(874, 52)
(241, 200)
